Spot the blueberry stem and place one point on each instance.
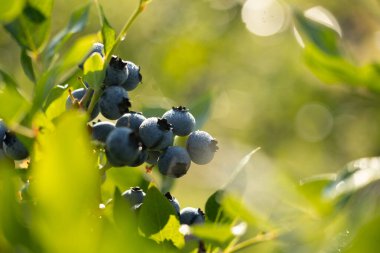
(261, 237)
(94, 99)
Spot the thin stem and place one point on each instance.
(124, 30)
(253, 241)
(94, 99)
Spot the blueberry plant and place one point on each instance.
(82, 171)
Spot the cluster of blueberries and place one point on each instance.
(134, 139)
(187, 216)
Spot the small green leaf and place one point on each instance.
(27, 65)
(321, 36)
(108, 34)
(93, 70)
(158, 220)
(213, 208)
(10, 9)
(76, 24)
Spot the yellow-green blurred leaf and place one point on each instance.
(10, 9)
(66, 187)
(93, 71)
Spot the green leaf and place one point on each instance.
(16, 105)
(235, 208)
(158, 220)
(313, 189)
(93, 70)
(215, 234)
(10, 9)
(355, 176)
(27, 65)
(31, 29)
(321, 36)
(108, 34)
(77, 22)
(12, 223)
(66, 176)
(213, 208)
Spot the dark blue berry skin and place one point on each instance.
(134, 77)
(156, 133)
(174, 202)
(13, 148)
(131, 119)
(78, 95)
(114, 102)
(116, 72)
(96, 48)
(201, 147)
(174, 162)
(182, 120)
(135, 196)
(101, 130)
(122, 147)
(191, 216)
(3, 131)
(141, 158)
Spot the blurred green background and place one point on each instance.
(262, 93)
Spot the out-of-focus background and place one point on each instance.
(262, 94)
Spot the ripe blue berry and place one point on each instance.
(13, 148)
(96, 48)
(114, 102)
(122, 147)
(182, 120)
(141, 158)
(78, 94)
(3, 131)
(173, 201)
(101, 130)
(156, 133)
(201, 147)
(191, 216)
(131, 119)
(134, 77)
(135, 196)
(174, 162)
(116, 72)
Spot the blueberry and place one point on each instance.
(156, 133)
(141, 158)
(191, 216)
(182, 120)
(3, 131)
(135, 196)
(116, 72)
(134, 77)
(96, 48)
(114, 102)
(131, 119)
(173, 201)
(122, 147)
(101, 130)
(78, 95)
(201, 147)
(13, 148)
(174, 162)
